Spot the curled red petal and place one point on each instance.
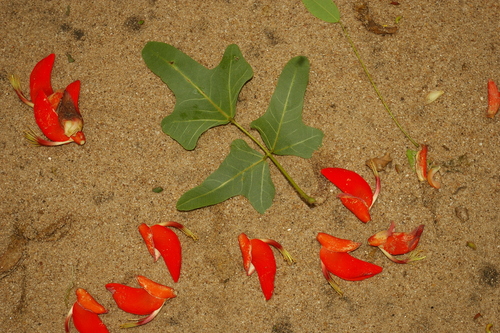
(265, 265)
(155, 289)
(74, 90)
(493, 99)
(421, 163)
(401, 242)
(347, 267)
(246, 253)
(336, 244)
(357, 206)
(40, 77)
(47, 119)
(88, 302)
(167, 242)
(134, 300)
(87, 321)
(350, 182)
(381, 237)
(147, 236)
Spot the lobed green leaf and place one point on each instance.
(205, 97)
(281, 127)
(243, 172)
(325, 10)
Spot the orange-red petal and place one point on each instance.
(357, 206)
(88, 302)
(87, 321)
(246, 253)
(155, 289)
(167, 242)
(493, 99)
(265, 265)
(134, 300)
(350, 182)
(347, 267)
(336, 244)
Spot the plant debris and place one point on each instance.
(372, 26)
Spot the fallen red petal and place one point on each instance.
(147, 236)
(350, 182)
(167, 242)
(335, 244)
(40, 77)
(155, 289)
(88, 302)
(347, 267)
(493, 99)
(47, 119)
(357, 206)
(402, 243)
(421, 163)
(246, 253)
(265, 265)
(134, 300)
(86, 321)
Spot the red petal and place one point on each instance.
(350, 182)
(345, 266)
(147, 236)
(88, 302)
(47, 119)
(493, 99)
(246, 253)
(421, 163)
(74, 90)
(265, 265)
(40, 77)
(336, 244)
(134, 300)
(381, 237)
(156, 289)
(357, 206)
(167, 242)
(87, 321)
(401, 242)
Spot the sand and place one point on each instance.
(69, 214)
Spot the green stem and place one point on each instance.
(346, 33)
(309, 200)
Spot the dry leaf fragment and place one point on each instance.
(365, 18)
(380, 162)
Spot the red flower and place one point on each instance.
(395, 243)
(147, 300)
(161, 241)
(85, 313)
(335, 260)
(357, 195)
(258, 256)
(56, 112)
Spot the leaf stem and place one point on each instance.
(309, 200)
(365, 69)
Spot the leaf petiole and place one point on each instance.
(308, 199)
(374, 85)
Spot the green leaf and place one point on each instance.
(205, 97)
(281, 127)
(411, 155)
(325, 10)
(243, 172)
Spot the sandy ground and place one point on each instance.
(69, 214)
